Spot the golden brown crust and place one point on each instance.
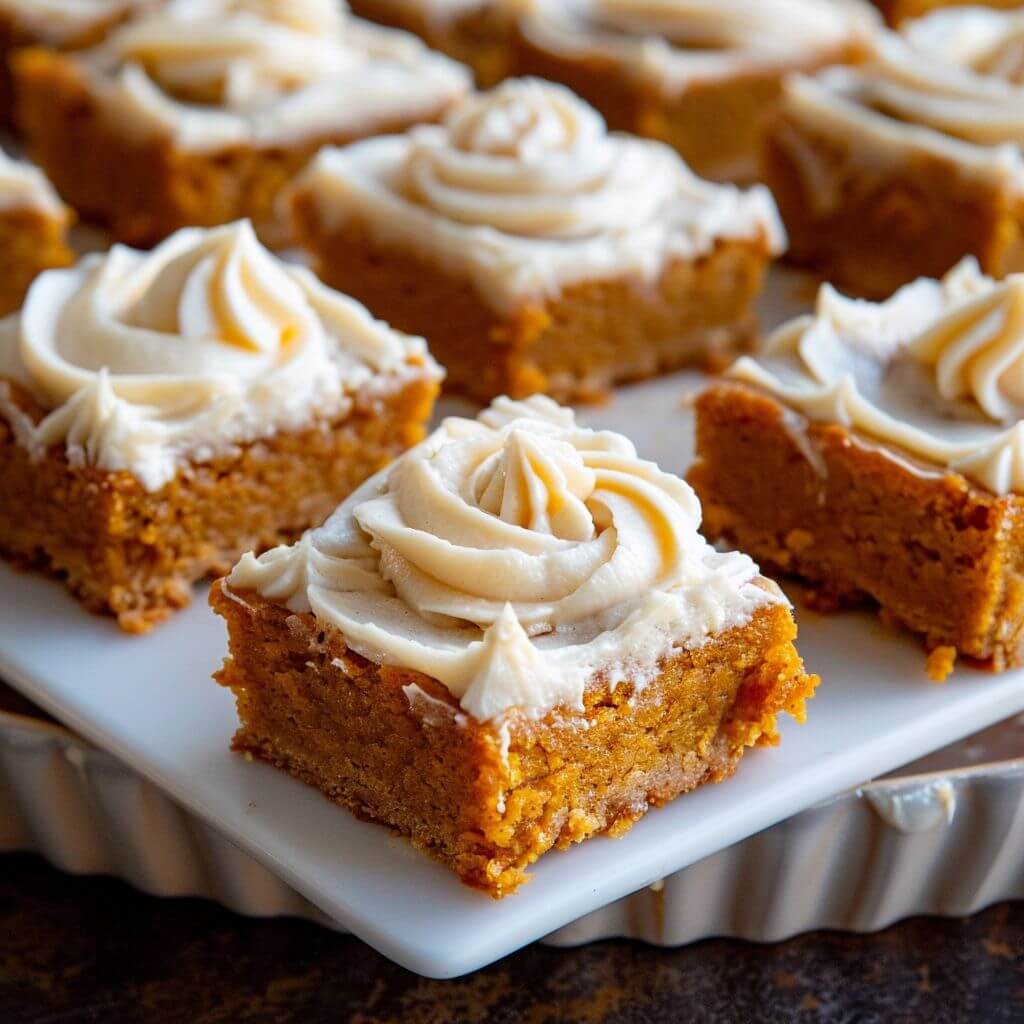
(941, 556)
(883, 225)
(574, 346)
(310, 705)
(31, 241)
(132, 553)
(145, 188)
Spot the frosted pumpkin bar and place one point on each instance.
(33, 229)
(514, 639)
(534, 250)
(163, 412)
(899, 167)
(877, 451)
(198, 113)
(697, 74)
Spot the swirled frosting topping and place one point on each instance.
(530, 158)
(524, 190)
(515, 558)
(148, 361)
(24, 186)
(937, 371)
(215, 72)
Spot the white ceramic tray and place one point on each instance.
(944, 836)
(149, 700)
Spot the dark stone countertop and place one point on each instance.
(83, 950)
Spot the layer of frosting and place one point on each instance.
(676, 42)
(212, 73)
(68, 21)
(937, 370)
(150, 361)
(516, 558)
(524, 190)
(24, 186)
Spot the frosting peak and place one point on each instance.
(515, 560)
(531, 158)
(24, 186)
(937, 370)
(150, 359)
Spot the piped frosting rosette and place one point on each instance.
(515, 558)
(148, 360)
(937, 370)
(222, 71)
(530, 158)
(24, 186)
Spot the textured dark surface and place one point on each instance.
(93, 950)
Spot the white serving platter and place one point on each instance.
(150, 701)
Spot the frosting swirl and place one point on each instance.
(937, 370)
(530, 158)
(514, 558)
(151, 359)
(69, 21)
(217, 72)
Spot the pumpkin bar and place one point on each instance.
(199, 114)
(511, 641)
(163, 412)
(877, 452)
(699, 74)
(897, 168)
(536, 251)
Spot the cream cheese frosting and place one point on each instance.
(673, 43)
(24, 186)
(515, 558)
(214, 73)
(524, 190)
(151, 361)
(937, 371)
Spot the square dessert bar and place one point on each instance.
(512, 641)
(33, 230)
(899, 167)
(162, 413)
(874, 452)
(535, 251)
(198, 114)
(475, 32)
(699, 76)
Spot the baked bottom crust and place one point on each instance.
(862, 522)
(145, 188)
(575, 346)
(713, 124)
(478, 37)
(416, 763)
(30, 242)
(133, 554)
(872, 222)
